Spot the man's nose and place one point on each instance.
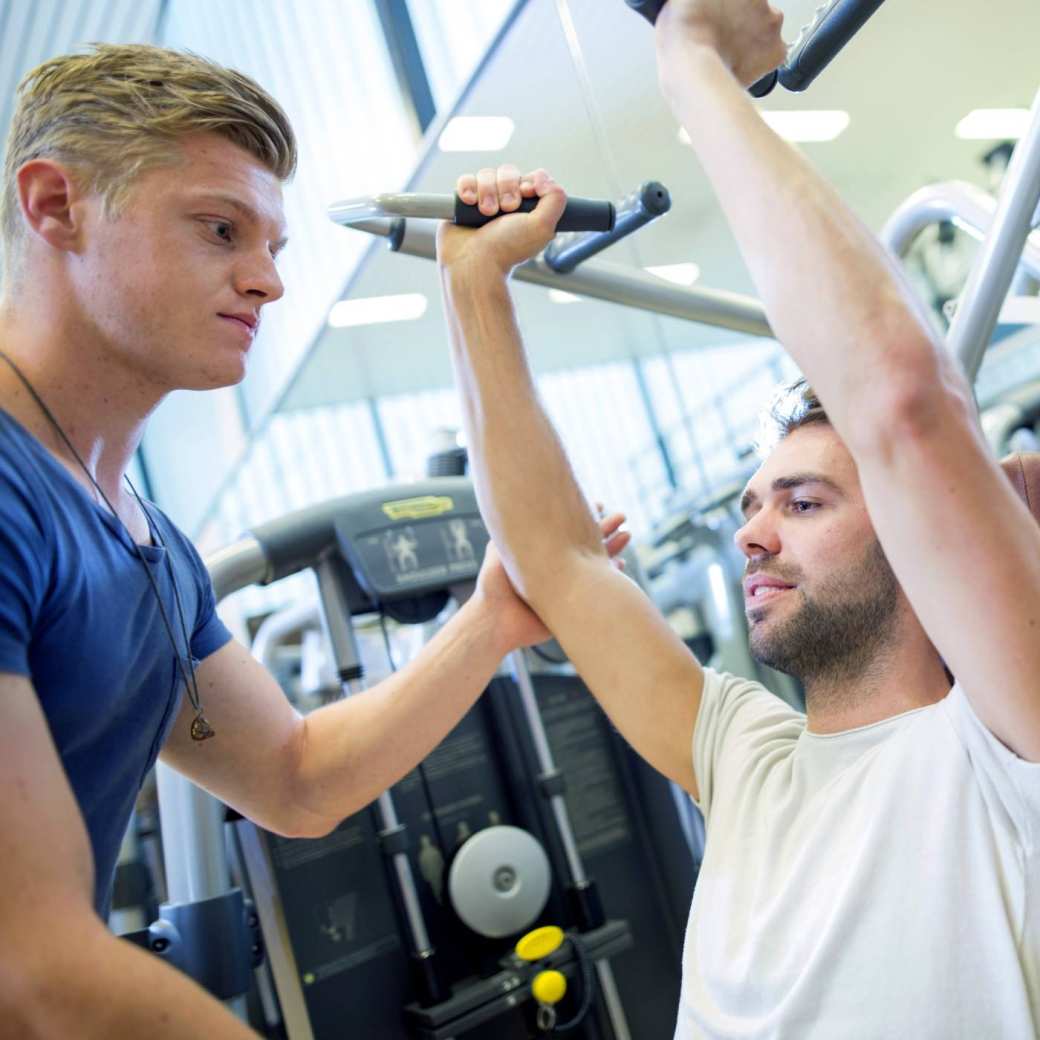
(758, 536)
(260, 279)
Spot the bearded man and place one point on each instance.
(872, 866)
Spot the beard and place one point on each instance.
(840, 632)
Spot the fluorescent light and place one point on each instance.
(795, 125)
(476, 134)
(373, 310)
(993, 124)
(680, 274)
(559, 296)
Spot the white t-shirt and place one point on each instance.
(878, 883)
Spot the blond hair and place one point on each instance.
(118, 110)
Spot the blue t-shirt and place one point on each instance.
(78, 617)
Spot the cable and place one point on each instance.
(588, 983)
(612, 173)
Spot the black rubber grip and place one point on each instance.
(815, 51)
(579, 214)
(653, 198)
(765, 85)
(649, 9)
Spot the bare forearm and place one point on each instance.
(104, 987)
(835, 299)
(519, 466)
(358, 747)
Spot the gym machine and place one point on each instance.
(531, 873)
(1003, 224)
(589, 226)
(833, 25)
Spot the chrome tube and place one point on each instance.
(599, 280)
(976, 316)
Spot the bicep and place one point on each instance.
(640, 671)
(45, 854)
(251, 761)
(967, 553)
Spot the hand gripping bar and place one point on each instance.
(579, 214)
(833, 25)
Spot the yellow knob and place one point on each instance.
(539, 943)
(549, 987)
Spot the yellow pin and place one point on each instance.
(549, 987)
(540, 943)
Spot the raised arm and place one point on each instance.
(964, 548)
(62, 973)
(301, 775)
(640, 671)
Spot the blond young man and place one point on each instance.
(141, 221)
(872, 868)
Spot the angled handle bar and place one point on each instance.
(834, 24)
(601, 223)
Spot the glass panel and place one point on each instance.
(451, 46)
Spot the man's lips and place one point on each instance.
(760, 588)
(248, 321)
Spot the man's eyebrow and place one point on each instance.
(749, 497)
(245, 210)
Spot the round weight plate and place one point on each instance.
(499, 881)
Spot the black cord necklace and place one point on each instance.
(200, 727)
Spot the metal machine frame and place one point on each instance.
(193, 822)
(1005, 225)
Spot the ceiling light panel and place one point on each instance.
(680, 274)
(375, 310)
(794, 125)
(993, 124)
(559, 296)
(476, 134)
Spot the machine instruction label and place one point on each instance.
(580, 744)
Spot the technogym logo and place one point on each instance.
(419, 508)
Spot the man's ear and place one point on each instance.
(48, 196)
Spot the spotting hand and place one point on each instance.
(516, 622)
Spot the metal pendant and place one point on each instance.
(201, 729)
